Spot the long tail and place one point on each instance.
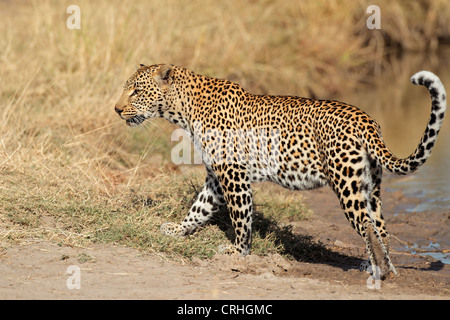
(420, 155)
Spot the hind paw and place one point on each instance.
(366, 266)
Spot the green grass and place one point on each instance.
(133, 218)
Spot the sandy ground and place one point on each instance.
(38, 269)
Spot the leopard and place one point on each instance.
(298, 143)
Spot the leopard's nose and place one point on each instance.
(118, 109)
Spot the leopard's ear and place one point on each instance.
(164, 75)
(140, 65)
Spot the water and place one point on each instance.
(431, 185)
(433, 247)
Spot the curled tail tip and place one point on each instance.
(433, 84)
(425, 78)
(426, 144)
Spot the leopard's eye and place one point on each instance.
(135, 92)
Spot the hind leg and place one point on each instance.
(377, 250)
(375, 229)
(359, 195)
(375, 205)
(371, 226)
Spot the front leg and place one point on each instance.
(208, 202)
(238, 196)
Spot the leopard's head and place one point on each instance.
(144, 94)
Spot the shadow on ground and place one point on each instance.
(298, 247)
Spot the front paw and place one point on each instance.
(172, 229)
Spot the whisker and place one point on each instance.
(95, 130)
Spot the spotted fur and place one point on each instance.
(298, 143)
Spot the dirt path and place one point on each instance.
(38, 269)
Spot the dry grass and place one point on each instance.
(71, 172)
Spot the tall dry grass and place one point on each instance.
(62, 148)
